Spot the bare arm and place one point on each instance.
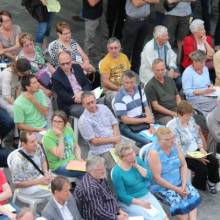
(159, 108)
(116, 131)
(78, 152)
(183, 167)
(43, 110)
(178, 99)
(6, 192)
(10, 49)
(58, 151)
(108, 140)
(139, 3)
(83, 54)
(25, 127)
(107, 83)
(28, 183)
(45, 168)
(140, 169)
(101, 141)
(209, 49)
(155, 165)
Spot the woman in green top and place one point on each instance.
(61, 146)
(130, 179)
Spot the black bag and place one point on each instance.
(143, 126)
(36, 9)
(169, 6)
(139, 127)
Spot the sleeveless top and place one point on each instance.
(170, 167)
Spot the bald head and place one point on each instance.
(65, 61)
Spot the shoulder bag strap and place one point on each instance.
(31, 161)
(140, 92)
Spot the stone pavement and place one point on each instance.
(209, 209)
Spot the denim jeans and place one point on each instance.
(6, 123)
(69, 173)
(127, 132)
(43, 29)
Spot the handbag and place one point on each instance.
(36, 9)
(43, 76)
(142, 126)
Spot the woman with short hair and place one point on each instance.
(169, 169)
(197, 85)
(10, 83)
(61, 146)
(8, 37)
(66, 42)
(189, 137)
(198, 40)
(130, 179)
(33, 53)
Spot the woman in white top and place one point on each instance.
(188, 135)
(10, 84)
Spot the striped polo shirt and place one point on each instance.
(129, 104)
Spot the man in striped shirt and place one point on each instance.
(95, 199)
(131, 108)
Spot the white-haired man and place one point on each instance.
(158, 47)
(94, 195)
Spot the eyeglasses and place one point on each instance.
(6, 21)
(128, 154)
(66, 63)
(113, 48)
(168, 139)
(58, 121)
(66, 33)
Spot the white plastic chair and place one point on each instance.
(74, 124)
(32, 202)
(2, 66)
(144, 150)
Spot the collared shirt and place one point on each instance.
(73, 82)
(161, 52)
(97, 125)
(98, 202)
(64, 210)
(23, 170)
(129, 105)
(164, 94)
(137, 12)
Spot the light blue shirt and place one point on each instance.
(192, 81)
(182, 9)
(136, 12)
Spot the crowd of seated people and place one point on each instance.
(161, 102)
